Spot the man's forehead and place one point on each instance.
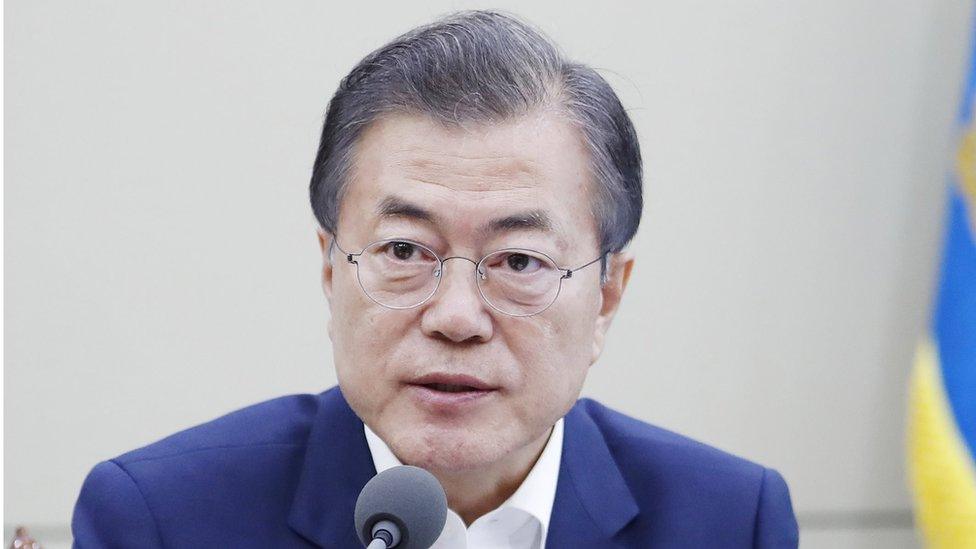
(528, 174)
(532, 149)
(483, 172)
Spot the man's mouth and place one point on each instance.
(449, 388)
(450, 391)
(452, 383)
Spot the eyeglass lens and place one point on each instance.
(401, 274)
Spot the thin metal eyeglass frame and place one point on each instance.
(350, 258)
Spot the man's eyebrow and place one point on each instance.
(394, 206)
(537, 220)
(531, 220)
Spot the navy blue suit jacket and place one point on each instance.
(286, 473)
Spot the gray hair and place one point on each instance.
(483, 66)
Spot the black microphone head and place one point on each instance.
(408, 496)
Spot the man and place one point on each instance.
(474, 192)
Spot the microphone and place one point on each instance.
(403, 507)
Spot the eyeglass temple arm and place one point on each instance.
(335, 243)
(568, 273)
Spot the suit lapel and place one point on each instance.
(337, 465)
(593, 501)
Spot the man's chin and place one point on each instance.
(446, 450)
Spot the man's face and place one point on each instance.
(527, 371)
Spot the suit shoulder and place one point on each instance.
(111, 511)
(280, 421)
(633, 441)
(234, 474)
(694, 492)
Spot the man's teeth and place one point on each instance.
(448, 388)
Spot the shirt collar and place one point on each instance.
(535, 495)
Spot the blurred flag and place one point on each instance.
(942, 415)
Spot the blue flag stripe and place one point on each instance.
(955, 318)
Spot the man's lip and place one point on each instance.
(453, 379)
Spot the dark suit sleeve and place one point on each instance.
(775, 524)
(111, 512)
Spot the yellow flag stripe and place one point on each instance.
(941, 468)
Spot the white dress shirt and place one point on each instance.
(521, 522)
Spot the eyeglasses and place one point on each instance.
(399, 273)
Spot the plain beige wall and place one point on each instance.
(162, 267)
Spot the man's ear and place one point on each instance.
(325, 245)
(618, 274)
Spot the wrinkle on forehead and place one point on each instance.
(473, 185)
(466, 173)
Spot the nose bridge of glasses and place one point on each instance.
(444, 287)
(468, 259)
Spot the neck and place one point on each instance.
(473, 493)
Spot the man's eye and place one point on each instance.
(522, 263)
(402, 250)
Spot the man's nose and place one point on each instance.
(456, 311)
